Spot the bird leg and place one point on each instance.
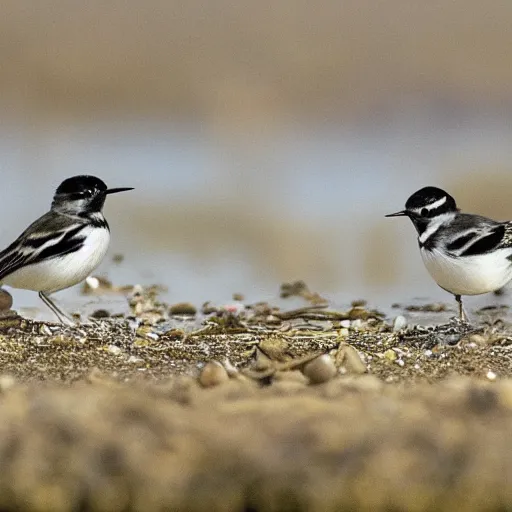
(64, 317)
(462, 314)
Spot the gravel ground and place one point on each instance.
(256, 407)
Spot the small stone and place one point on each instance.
(358, 313)
(428, 308)
(477, 339)
(345, 324)
(320, 370)
(174, 334)
(391, 355)
(136, 290)
(343, 332)
(357, 324)
(352, 361)
(208, 309)
(5, 300)
(213, 374)
(262, 362)
(399, 323)
(183, 308)
(491, 375)
(61, 340)
(292, 289)
(231, 369)
(45, 330)
(94, 284)
(6, 382)
(113, 349)
(118, 258)
(275, 349)
(144, 330)
(135, 360)
(100, 313)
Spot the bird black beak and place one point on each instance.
(403, 213)
(116, 190)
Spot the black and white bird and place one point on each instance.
(61, 248)
(465, 254)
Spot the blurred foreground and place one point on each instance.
(256, 407)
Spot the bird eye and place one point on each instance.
(424, 212)
(87, 193)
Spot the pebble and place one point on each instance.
(399, 323)
(94, 284)
(491, 375)
(118, 258)
(5, 300)
(208, 309)
(183, 308)
(275, 348)
(136, 290)
(391, 355)
(321, 369)
(477, 339)
(61, 340)
(231, 369)
(45, 330)
(6, 382)
(213, 374)
(357, 323)
(353, 362)
(358, 314)
(113, 349)
(345, 324)
(100, 313)
(135, 360)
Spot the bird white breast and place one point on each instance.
(64, 271)
(469, 275)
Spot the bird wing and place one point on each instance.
(473, 236)
(49, 236)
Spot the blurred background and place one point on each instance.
(266, 140)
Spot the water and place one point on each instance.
(217, 211)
